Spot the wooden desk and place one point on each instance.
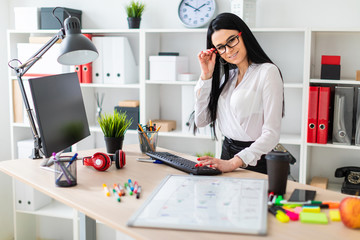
(88, 197)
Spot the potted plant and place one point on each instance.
(134, 11)
(114, 127)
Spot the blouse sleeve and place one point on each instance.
(272, 96)
(202, 93)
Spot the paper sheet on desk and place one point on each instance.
(204, 203)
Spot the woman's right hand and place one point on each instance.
(207, 63)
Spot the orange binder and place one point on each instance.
(312, 114)
(323, 115)
(78, 69)
(86, 69)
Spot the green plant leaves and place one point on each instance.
(135, 9)
(114, 125)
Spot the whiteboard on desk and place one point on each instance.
(206, 203)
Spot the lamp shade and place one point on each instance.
(76, 49)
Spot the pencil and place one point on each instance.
(146, 137)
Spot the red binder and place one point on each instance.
(312, 114)
(78, 69)
(87, 68)
(323, 115)
(87, 73)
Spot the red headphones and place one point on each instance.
(102, 161)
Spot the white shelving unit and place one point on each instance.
(296, 51)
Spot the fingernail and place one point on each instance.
(198, 159)
(196, 165)
(210, 165)
(200, 164)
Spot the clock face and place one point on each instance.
(196, 13)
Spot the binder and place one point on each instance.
(312, 114)
(323, 115)
(97, 65)
(357, 124)
(78, 69)
(86, 73)
(343, 115)
(86, 69)
(119, 66)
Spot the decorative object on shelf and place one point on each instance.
(351, 184)
(99, 104)
(131, 108)
(134, 12)
(330, 67)
(196, 15)
(114, 127)
(75, 49)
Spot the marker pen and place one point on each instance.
(106, 190)
(138, 192)
(116, 195)
(128, 189)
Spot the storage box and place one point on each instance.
(166, 125)
(27, 18)
(131, 112)
(48, 21)
(167, 68)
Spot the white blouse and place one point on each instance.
(251, 111)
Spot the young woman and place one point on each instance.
(242, 91)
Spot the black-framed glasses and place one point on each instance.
(232, 42)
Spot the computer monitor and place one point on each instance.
(60, 111)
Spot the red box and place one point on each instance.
(330, 60)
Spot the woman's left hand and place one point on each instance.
(222, 165)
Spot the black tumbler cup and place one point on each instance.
(277, 170)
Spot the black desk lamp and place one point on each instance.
(75, 49)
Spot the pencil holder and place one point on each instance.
(65, 173)
(148, 141)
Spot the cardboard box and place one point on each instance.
(167, 68)
(129, 103)
(166, 125)
(18, 116)
(48, 21)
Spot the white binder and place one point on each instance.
(116, 63)
(97, 66)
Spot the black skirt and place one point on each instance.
(231, 147)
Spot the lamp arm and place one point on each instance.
(23, 68)
(20, 71)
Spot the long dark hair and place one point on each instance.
(255, 54)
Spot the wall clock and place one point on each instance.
(196, 13)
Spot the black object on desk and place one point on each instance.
(182, 164)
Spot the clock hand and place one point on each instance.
(186, 4)
(200, 7)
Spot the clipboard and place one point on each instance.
(206, 203)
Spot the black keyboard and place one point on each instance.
(182, 164)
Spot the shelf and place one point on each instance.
(54, 209)
(293, 85)
(100, 85)
(338, 146)
(291, 139)
(327, 81)
(21, 125)
(171, 82)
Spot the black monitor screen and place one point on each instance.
(60, 111)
